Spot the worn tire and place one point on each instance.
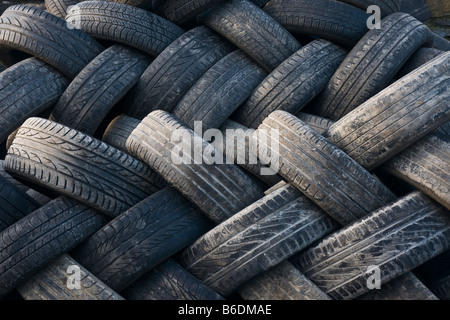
(325, 174)
(46, 37)
(319, 124)
(220, 91)
(59, 7)
(444, 129)
(395, 238)
(183, 11)
(125, 24)
(141, 238)
(256, 239)
(253, 31)
(294, 83)
(99, 87)
(219, 190)
(340, 22)
(396, 117)
(419, 58)
(387, 7)
(170, 76)
(118, 131)
(371, 65)
(77, 165)
(41, 237)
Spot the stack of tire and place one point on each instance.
(93, 93)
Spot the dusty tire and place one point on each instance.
(319, 124)
(183, 11)
(387, 7)
(340, 22)
(124, 24)
(141, 238)
(219, 190)
(50, 283)
(396, 117)
(325, 174)
(294, 83)
(256, 239)
(118, 131)
(76, 165)
(257, 34)
(169, 281)
(99, 87)
(41, 237)
(59, 7)
(46, 37)
(371, 65)
(383, 239)
(220, 91)
(419, 58)
(175, 71)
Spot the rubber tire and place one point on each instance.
(144, 4)
(175, 71)
(444, 129)
(46, 285)
(340, 23)
(79, 166)
(426, 166)
(41, 237)
(169, 281)
(26, 89)
(99, 87)
(319, 124)
(219, 190)
(384, 239)
(418, 59)
(220, 91)
(396, 117)
(46, 37)
(256, 239)
(283, 282)
(118, 131)
(59, 7)
(321, 171)
(294, 83)
(183, 11)
(387, 6)
(141, 238)
(253, 31)
(371, 65)
(124, 24)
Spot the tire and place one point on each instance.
(41, 237)
(169, 281)
(319, 124)
(371, 65)
(74, 164)
(444, 129)
(144, 4)
(253, 31)
(219, 190)
(293, 84)
(14, 204)
(220, 91)
(418, 59)
(46, 37)
(404, 287)
(183, 11)
(321, 171)
(256, 239)
(439, 42)
(396, 117)
(99, 87)
(118, 131)
(59, 7)
(26, 89)
(283, 282)
(340, 23)
(387, 7)
(141, 238)
(175, 71)
(51, 284)
(395, 238)
(426, 166)
(124, 24)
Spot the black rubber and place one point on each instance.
(99, 87)
(74, 164)
(183, 11)
(175, 71)
(335, 21)
(319, 124)
(124, 24)
(118, 131)
(253, 31)
(220, 91)
(46, 37)
(294, 83)
(43, 236)
(418, 59)
(387, 7)
(59, 7)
